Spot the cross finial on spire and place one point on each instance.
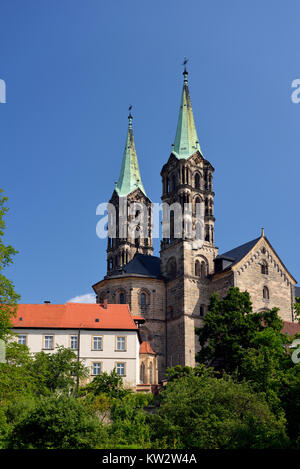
(185, 73)
(130, 115)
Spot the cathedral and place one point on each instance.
(171, 293)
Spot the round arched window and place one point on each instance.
(143, 299)
(122, 298)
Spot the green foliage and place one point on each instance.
(179, 371)
(106, 383)
(297, 308)
(229, 329)
(39, 375)
(130, 423)
(16, 377)
(8, 296)
(58, 371)
(210, 413)
(58, 422)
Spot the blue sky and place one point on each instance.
(73, 67)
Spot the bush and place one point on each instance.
(58, 422)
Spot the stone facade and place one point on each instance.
(152, 309)
(266, 279)
(174, 300)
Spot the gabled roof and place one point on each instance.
(236, 254)
(130, 177)
(74, 316)
(145, 347)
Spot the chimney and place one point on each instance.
(105, 304)
(47, 302)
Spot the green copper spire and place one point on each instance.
(130, 177)
(186, 140)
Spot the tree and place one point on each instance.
(130, 427)
(58, 371)
(8, 296)
(58, 422)
(106, 383)
(210, 413)
(297, 308)
(229, 329)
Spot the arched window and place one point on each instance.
(197, 181)
(182, 176)
(122, 298)
(207, 233)
(206, 208)
(197, 269)
(150, 373)
(143, 299)
(167, 185)
(173, 182)
(142, 373)
(202, 311)
(197, 205)
(264, 268)
(172, 224)
(203, 269)
(266, 293)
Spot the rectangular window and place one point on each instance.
(96, 369)
(97, 342)
(48, 342)
(22, 339)
(121, 344)
(74, 342)
(121, 369)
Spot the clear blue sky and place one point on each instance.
(73, 67)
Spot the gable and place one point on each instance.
(261, 250)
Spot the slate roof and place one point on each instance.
(236, 254)
(142, 264)
(74, 316)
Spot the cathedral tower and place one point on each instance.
(130, 212)
(188, 249)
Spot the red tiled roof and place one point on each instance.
(290, 328)
(74, 316)
(146, 348)
(138, 318)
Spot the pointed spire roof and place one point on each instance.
(186, 140)
(130, 177)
